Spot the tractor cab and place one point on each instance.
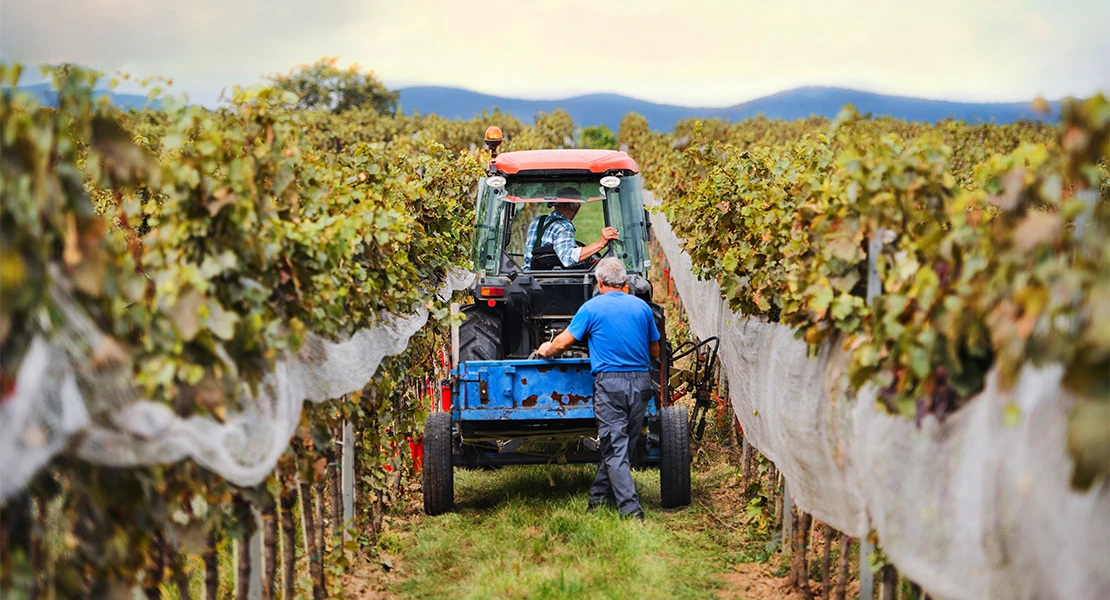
(533, 288)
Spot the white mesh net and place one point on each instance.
(60, 383)
(969, 508)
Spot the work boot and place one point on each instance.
(638, 515)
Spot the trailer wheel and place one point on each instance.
(479, 335)
(439, 478)
(674, 466)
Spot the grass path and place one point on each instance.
(523, 532)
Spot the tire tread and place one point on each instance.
(479, 335)
(438, 475)
(674, 468)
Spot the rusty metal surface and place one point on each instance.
(526, 390)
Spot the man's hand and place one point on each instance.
(557, 346)
(607, 235)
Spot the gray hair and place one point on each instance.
(610, 271)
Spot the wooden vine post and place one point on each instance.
(826, 562)
(336, 498)
(311, 545)
(746, 461)
(874, 290)
(866, 577)
(288, 543)
(787, 517)
(799, 570)
(177, 562)
(152, 586)
(211, 568)
(248, 578)
(733, 421)
(842, 568)
(269, 544)
(348, 468)
(321, 526)
(890, 583)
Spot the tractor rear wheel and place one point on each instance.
(439, 478)
(479, 335)
(674, 466)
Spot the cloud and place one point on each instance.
(704, 52)
(204, 44)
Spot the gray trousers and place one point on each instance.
(620, 401)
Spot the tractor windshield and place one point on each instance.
(505, 214)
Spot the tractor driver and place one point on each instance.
(623, 338)
(556, 236)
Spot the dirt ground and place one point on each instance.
(373, 581)
(756, 581)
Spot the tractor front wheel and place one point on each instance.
(439, 478)
(674, 466)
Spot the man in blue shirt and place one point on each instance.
(557, 230)
(623, 338)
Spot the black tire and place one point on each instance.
(674, 467)
(479, 335)
(439, 478)
(661, 368)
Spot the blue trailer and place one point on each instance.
(499, 407)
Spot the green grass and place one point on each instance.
(522, 532)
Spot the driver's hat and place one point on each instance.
(566, 192)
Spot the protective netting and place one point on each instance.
(75, 374)
(972, 507)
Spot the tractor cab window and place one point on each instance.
(487, 227)
(505, 213)
(627, 215)
(529, 201)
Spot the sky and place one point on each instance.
(693, 52)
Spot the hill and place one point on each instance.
(608, 109)
(45, 95)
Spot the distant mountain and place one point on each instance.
(827, 102)
(592, 109)
(45, 94)
(608, 109)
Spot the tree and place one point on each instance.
(324, 86)
(555, 129)
(633, 131)
(598, 136)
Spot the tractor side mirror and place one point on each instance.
(647, 226)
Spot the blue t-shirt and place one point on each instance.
(618, 328)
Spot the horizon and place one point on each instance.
(741, 101)
(129, 88)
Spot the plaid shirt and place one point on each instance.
(560, 234)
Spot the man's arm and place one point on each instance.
(563, 243)
(559, 345)
(653, 348)
(607, 235)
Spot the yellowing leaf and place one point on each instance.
(221, 322)
(185, 313)
(1037, 228)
